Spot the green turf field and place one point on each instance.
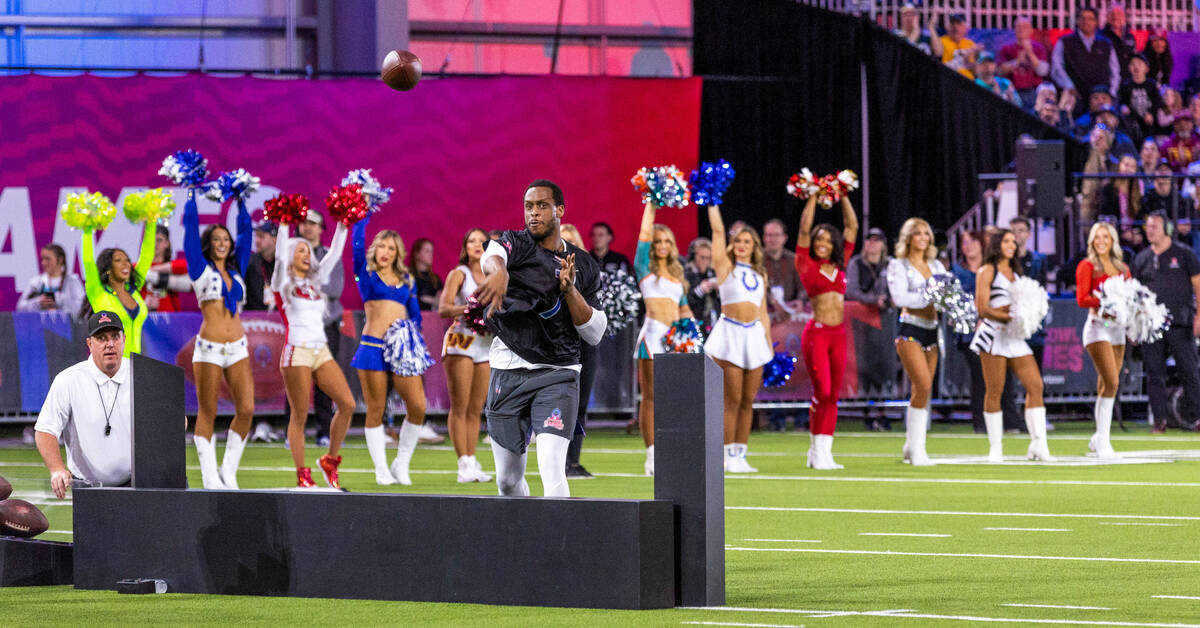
(877, 544)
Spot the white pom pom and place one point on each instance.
(1030, 303)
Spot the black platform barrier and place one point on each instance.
(32, 563)
(688, 471)
(589, 553)
(159, 424)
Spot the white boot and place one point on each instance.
(743, 464)
(811, 460)
(234, 446)
(405, 446)
(377, 448)
(649, 466)
(915, 422)
(730, 458)
(466, 471)
(995, 433)
(1100, 442)
(477, 470)
(823, 448)
(208, 462)
(1035, 422)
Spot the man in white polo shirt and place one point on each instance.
(88, 409)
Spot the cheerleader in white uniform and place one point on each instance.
(306, 357)
(917, 336)
(465, 358)
(664, 291)
(740, 342)
(1000, 350)
(1102, 337)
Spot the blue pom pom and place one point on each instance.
(372, 190)
(186, 167)
(777, 372)
(237, 184)
(710, 181)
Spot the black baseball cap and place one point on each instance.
(876, 232)
(268, 227)
(103, 320)
(958, 17)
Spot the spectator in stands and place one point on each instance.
(1050, 113)
(1186, 235)
(958, 52)
(1045, 92)
(1158, 55)
(910, 29)
(703, 297)
(167, 278)
(1148, 160)
(866, 283)
(1172, 272)
(1033, 263)
(1025, 62)
(1098, 160)
(782, 278)
(1116, 29)
(1098, 100)
(610, 260)
(429, 283)
(1183, 147)
(259, 295)
(1163, 195)
(985, 75)
(1140, 99)
(1084, 57)
(1119, 198)
(54, 288)
(1122, 144)
(1172, 106)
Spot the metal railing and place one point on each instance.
(1173, 15)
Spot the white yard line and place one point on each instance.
(1080, 608)
(939, 536)
(1039, 529)
(843, 478)
(1099, 559)
(66, 532)
(783, 540)
(1134, 523)
(1176, 597)
(960, 513)
(731, 623)
(916, 615)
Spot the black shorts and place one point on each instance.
(927, 338)
(544, 400)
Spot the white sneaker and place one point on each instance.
(745, 464)
(429, 436)
(264, 433)
(477, 469)
(730, 458)
(466, 471)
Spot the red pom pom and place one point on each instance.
(286, 209)
(347, 204)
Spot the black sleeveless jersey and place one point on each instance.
(535, 322)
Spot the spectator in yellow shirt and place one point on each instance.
(958, 52)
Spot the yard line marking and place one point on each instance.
(1130, 523)
(728, 623)
(1176, 597)
(916, 615)
(1080, 608)
(940, 536)
(1098, 559)
(783, 540)
(1045, 529)
(828, 478)
(958, 513)
(21, 464)
(982, 437)
(66, 532)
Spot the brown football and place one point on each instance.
(21, 518)
(5, 489)
(401, 70)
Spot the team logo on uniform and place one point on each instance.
(497, 390)
(104, 319)
(554, 421)
(1174, 262)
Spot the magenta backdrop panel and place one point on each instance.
(458, 152)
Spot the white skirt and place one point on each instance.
(460, 340)
(992, 338)
(650, 339)
(1097, 329)
(742, 344)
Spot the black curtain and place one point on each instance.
(782, 91)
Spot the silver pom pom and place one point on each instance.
(947, 296)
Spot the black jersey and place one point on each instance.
(535, 322)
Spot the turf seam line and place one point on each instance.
(960, 513)
(1101, 559)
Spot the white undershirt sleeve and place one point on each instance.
(593, 330)
(494, 249)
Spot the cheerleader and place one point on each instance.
(1000, 350)
(917, 336)
(740, 341)
(306, 358)
(112, 282)
(465, 358)
(820, 257)
(664, 292)
(391, 342)
(216, 265)
(1103, 339)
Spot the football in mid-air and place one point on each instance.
(21, 518)
(5, 489)
(401, 70)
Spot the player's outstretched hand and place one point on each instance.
(491, 291)
(566, 276)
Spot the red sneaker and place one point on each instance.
(329, 469)
(304, 478)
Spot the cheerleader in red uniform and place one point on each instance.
(1102, 337)
(820, 260)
